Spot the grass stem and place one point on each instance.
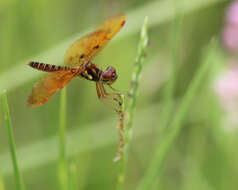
(73, 176)
(2, 186)
(170, 87)
(18, 178)
(121, 129)
(168, 140)
(62, 167)
(132, 103)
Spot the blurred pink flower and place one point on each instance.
(230, 31)
(232, 13)
(226, 87)
(230, 38)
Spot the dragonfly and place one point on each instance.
(78, 63)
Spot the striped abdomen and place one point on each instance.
(47, 67)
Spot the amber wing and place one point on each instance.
(90, 45)
(48, 85)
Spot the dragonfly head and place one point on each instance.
(109, 75)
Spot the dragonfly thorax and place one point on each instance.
(93, 73)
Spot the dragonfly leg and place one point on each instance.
(107, 99)
(114, 89)
(116, 96)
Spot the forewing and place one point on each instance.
(48, 85)
(90, 45)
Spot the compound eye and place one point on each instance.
(113, 75)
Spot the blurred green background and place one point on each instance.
(204, 155)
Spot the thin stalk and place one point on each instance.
(167, 142)
(62, 167)
(73, 179)
(2, 186)
(121, 149)
(121, 129)
(170, 87)
(18, 177)
(132, 103)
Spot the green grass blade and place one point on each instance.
(132, 103)
(73, 176)
(19, 182)
(121, 128)
(62, 167)
(121, 150)
(2, 186)
(170, 87)
(177, 124)
(36, 156)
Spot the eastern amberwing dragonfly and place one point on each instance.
(78, 60)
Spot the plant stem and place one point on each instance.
(170, 87)
(121, 129)
(2, 187)
(132, 103)
(18, 178)
(62, 167)
(177, 124)
(73, 179)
